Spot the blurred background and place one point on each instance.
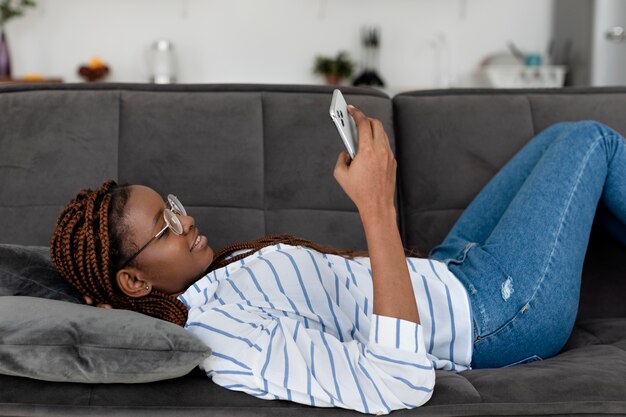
(395, 45)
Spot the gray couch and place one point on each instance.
(251, 160)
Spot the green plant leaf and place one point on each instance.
(10, 9)
(340, 65)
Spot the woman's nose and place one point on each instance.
(188, 222)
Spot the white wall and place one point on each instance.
(271, 41)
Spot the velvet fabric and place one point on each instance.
(250, 160)
(28, 270)
(586, 379)
(452, 143)
(56, 340)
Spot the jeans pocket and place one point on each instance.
(529, 359)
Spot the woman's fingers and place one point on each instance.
(363, 126)
(380, 136)
(89, 301)
(371, 131)
(369, 179)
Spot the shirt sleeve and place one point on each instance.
(280, 358)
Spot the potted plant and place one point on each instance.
(9, 9)
(334, 69)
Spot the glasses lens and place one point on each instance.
(176, 204)
(173, 222)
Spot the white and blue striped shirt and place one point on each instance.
(288, 322)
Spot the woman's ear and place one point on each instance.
(130, 282)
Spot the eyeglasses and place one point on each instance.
(172, 222)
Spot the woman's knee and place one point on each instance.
(559, 128)
(587, 134)
(594, 128)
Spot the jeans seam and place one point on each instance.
(565, 212)
(501, 328)
(447, 261)
(614, 137)
(459, 259)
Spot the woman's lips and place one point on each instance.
(200, 243)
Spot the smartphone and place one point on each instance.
(344, 123)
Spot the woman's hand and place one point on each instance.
(370, 178)
(89, 301)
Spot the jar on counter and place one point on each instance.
(163, 69)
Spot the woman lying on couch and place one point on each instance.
(290, 319)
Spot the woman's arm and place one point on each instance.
(369, 180)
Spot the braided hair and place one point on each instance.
(87, 248)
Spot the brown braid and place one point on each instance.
(86, 252)
(87, 248)
(219, 260)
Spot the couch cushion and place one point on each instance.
(56, 143)
(452, 142)
(487, 134)
(592, 367)
(28, 270)
(247, 163)
(449, 147)
(604, 105)
(60, 341)
(587, 379)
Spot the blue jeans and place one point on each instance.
(519, 246)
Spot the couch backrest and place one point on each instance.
(451, 142)
(252, 160)
(246, 160)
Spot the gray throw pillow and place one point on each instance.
(59, 341)
(28, 270)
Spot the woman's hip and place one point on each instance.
(514, 317)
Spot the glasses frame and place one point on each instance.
(172, 222)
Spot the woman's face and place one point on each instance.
(170, 263)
